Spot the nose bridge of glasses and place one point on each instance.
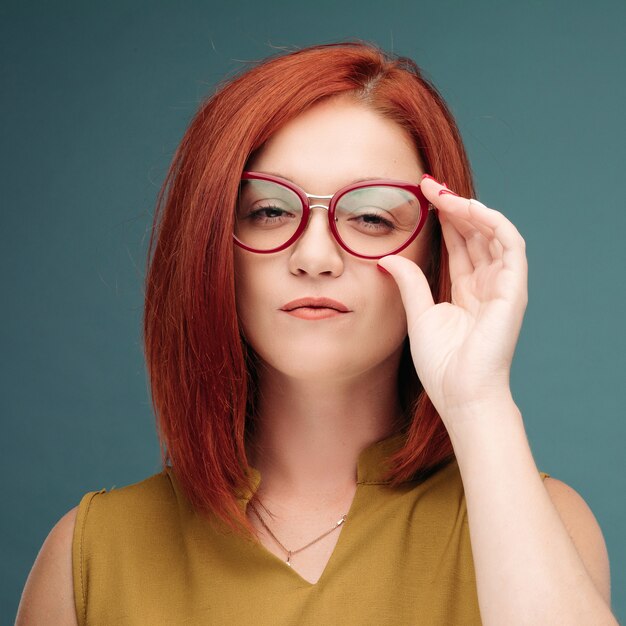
(313, 196)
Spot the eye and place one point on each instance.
(269, 216)
(264, 213)
(373, 222)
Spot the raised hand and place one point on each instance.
(463, 350)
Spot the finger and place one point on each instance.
(491, 223)
(449, 202)
(472, 248)
(456, 208)
(505, 233)
(503, 243)
(477, 244)
(458, 254)
(412, 283)
(496, 249)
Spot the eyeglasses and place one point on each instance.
(369, 219)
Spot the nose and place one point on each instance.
(317, 251)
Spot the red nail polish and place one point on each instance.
(382, 269)
(442, 191)
(431, 178)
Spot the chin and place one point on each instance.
(323, 361)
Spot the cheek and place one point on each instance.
(393, 312)
(385, 311)
(256, 299)
(379, 326)
(419, 250)
(246, 285)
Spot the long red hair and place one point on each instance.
(201, 369)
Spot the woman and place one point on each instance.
(329, 326)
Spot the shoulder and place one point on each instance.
(118, 516)
(49, 592)
(48, 595)
(153, 491)
(584, 530)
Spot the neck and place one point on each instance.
(310, 432)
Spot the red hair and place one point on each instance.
(201, 369)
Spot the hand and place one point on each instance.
(463, 350)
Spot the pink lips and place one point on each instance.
(316, 303)
(315, 308)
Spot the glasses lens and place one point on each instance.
(377, 220)
(372, 221)
(267, 214)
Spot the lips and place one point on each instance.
(315, 303)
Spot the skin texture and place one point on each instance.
(539, 554)
(323, 400)
(328, 388)
(48, 596)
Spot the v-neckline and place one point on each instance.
(370, 470)
(333, 555)
(371, 467)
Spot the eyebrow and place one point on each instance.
(352, 182)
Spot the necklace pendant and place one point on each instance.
(289, 558)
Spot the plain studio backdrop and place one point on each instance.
(96, 97)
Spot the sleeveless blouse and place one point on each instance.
(142, 556)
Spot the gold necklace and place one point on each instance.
(290, 552)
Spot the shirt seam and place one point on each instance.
(376, 482)
(82, 540)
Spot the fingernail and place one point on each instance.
(382, 269)
(431, 178)
(442, 191)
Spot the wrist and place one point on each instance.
(475, 415)
(475, 408)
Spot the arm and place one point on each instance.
(529, 569)
(585, 532)
(539, 554)
(48, 596)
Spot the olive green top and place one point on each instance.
(141, 555)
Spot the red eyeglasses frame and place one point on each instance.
(334, 198)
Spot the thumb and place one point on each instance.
(412, 283)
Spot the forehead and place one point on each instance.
(336, 142)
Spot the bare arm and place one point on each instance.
(539, 554)
(48, 596)
(585, 532)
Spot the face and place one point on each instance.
(327, 147)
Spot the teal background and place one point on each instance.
(95, 98)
